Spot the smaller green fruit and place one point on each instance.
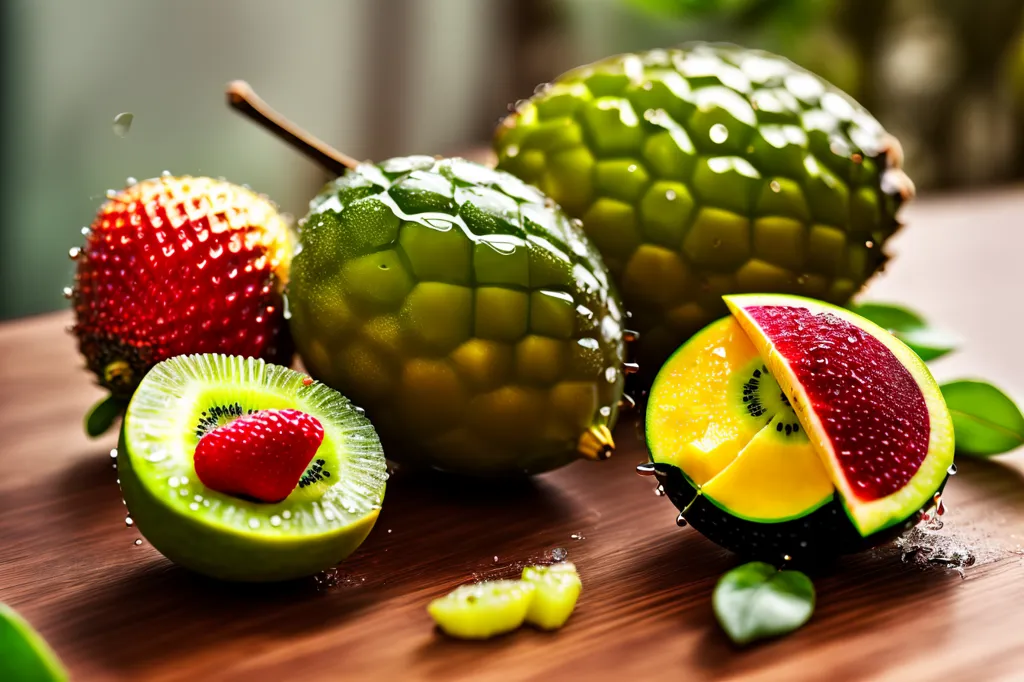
(483, 610)
(557, 588)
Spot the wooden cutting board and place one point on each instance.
(115, 610)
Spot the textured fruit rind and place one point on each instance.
(868, 515)
(221, 535)
(466, 312)
(708, 170)
(177, 265)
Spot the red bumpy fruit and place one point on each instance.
(260, 456)
(177, 265)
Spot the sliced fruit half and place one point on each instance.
(558, 586)
(261, 514)
(797, 429)
(871, 407)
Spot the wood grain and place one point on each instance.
(117, 611)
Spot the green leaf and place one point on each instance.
(910, 328)
(986, 421)
(24, 654)
(754, 601)
(103, 414)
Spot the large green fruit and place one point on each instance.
(709, 170)
(470, 316)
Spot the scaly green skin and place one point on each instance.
(708, 170)
(469, 316)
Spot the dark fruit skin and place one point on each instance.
(816, 538)
(177, 265)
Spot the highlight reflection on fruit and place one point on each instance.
(465, 311)
(176, 265)
(797, 429)
(209, 463)
(710, 170)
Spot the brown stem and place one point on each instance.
(244, 100)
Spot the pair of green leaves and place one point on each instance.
(756, 601)
(24, 654)
(985, 420)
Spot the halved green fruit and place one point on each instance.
(483, 610)
(314, 528)
(797, 429)
(24, 654)
(558, 587)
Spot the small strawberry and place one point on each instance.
(261, 456)
(177, 265)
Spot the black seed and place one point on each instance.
(757, 372)
(778, 427)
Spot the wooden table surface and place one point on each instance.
(114, 610)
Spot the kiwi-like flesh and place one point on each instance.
(483, 610)
(319, 524)
(558, 587)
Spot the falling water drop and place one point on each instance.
(138, 541)
(123, 123)
(952, 469)
(559, 553)
(680, 521)
(718, 133)
(128, 521)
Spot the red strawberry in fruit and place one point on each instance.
(261, 456)
(173, 266)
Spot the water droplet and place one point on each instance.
(138, 542)
(111, 193)
(129, 181)
(512, 151)
(631, 168)
(718, 133)
(605, 411)
(254, 523)
(286, 514)
(165, 174)
(74, 252)
(68, 292)
(578, 536)
(680, 521)
(646, 469)
(952, 469)
(559, 553)
(870, 244)
(611, 374)
(194, 506)
(659, 491)
(787, 558)
(775, 186)
(123, 123)
(113, 454)
(128, 521)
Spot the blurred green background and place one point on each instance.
(383, 77)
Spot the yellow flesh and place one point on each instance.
(696, 422)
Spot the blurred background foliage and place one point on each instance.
(386, 77)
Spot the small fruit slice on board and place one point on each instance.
(24, 654)
(295, 472)
(483, 610)
(871, 408)
(558, 586)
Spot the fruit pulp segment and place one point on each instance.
(693, 420)
(483, 610)
(557, 588)
(776, 477)
(871, 406)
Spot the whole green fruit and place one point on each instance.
(708, 170)
(465, 311)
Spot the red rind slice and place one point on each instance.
(868, 403)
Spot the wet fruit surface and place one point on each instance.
(262, 455)
(708, 170)
(837, 439)
(247, 471)
(471, 318)
(180, 265)
(879, 408)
